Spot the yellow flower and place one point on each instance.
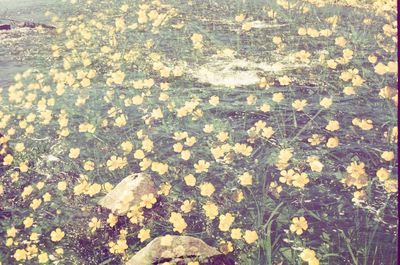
(308, 255)
(243, 149)
(23, 167)
(27, 191)
(225, 247)
(147, 145)
(88, 165)
(9, 242)
(287, 176)
(278, 97)
(332, 142)
(250, 236)
(340, 41)
(214, 100)
(190, 180)
(315, 139)
(285, 155)
(208, 128)
(94, 224)
(35, 203)
(365, 125)
(299, 105)
(7, 160)
(391, 185)
(118, 247)
(120, 121)
(43, 257)
(74, 153)
(57, 235)
(120, 24)
(207, 189)
(284, 80)
(148, 200)
(112, 220)
(381, 69)
(85, 82)
(59, 251)
(197, 40)
(185, 155)
(139, 154)
(127, 146)
(28, 222)
(247, 26)
(178, 222)
(137, 100)
(359, 195)
(225, 222)
(240, 18)
(20, 254)
(34, 236)
(331, 64)
(387, 155)
(332, 126)
(246, 179)
(19, 147)
(222, 136)
(277, 40)
(11, 232)
(144, 234)
(326, 102)
(118, 77)
(348, 91)
(300, 180)
(316, 165)
(197, 37)
(298, 225)
(62, 185)
(70, 44)
(302, 31)
(211, 210)
(372, 59)
(160, 168)
(236, 233)
(201, 166)
(187, 206)
(383, 174)
(116, 162)
(93, 189)
(32, 249)
(265, 107)
(178, 147)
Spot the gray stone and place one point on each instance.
(128, 193)
(173, 249)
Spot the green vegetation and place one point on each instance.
(297, 167)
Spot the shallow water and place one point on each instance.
(20, 10)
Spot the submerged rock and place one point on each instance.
(178, 250)
(128, 193)
(228, 72)
(5, 27)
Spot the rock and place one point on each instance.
(5, 27)
(175, 249)
(228, 72)
(128, 193)
(29, 24)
